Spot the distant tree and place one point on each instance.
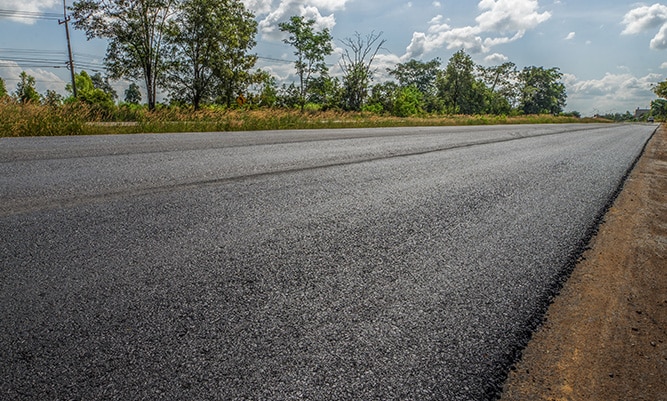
(422, 75)
(52, 98)
(541, 91)
(135, 30)
(25, 89)
(458, 87)
(661, 90)
(310, 50)
(382, 97)
(3, 89)
(356, 64)
(408, 102)
(88, 93)
(289, 96)
(326, 91)
(133, 94)
(263, 90)
(103, 84)
(502, 82)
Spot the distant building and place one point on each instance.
(640, 113)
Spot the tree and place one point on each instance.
(661, 90)
(233, 72)
(541, 91)
(659, 108)
(52, 98)
(310, 50)
(356, 65)
(502, 82)
(209, 43)
(3, 89)
(103, 84)
(25, 89)
(458, 88)
(408, 102)
(325, 91)
(262, 91)
(382, 97)
(422, 75)
(135, 30)
(88, 93)
(133, 94)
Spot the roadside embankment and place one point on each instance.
(605, 336)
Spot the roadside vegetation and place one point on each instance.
(196, 55)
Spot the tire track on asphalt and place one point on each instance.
(21, 206)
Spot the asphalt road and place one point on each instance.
(407, 263)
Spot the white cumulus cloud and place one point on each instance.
(496, 58)
(510, 15)
(613, 92)
(500, 22)
(32, 6)
(571, 36)
(272, 12)
(648, 18)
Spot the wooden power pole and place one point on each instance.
(69, 46)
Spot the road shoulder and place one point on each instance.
(605, 335)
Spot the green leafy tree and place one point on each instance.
(326, 91)
(310, 50)
(423, 75)
(458, 87)
(52, 98)
(289, 96)
(103, 84)
(263, 90)
(25, 89)
(382, 97)
(541, 91)
(659, 108)
(234, 70)
(502, 84)
(209, 44)
(661, 90)
(356, 64)
(135, 30)
(133, 94)
(88, 93)
(3, 89)
(408, 102)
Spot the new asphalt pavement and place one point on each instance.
(404, 263)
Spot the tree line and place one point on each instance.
(200, 53)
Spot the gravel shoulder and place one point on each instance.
(605, 336)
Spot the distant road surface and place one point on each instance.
(403, 263)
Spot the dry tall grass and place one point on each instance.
(79, 119)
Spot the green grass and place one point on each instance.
(17, 120)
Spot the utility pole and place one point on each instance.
(69, 46)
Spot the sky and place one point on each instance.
(610, 52)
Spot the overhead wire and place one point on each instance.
(29, 15)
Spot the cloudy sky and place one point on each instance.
(610, 51)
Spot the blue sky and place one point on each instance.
(610, 51)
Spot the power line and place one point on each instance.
(29, 15)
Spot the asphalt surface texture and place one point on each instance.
(406, 263)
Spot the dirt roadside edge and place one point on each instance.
(605, 335)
